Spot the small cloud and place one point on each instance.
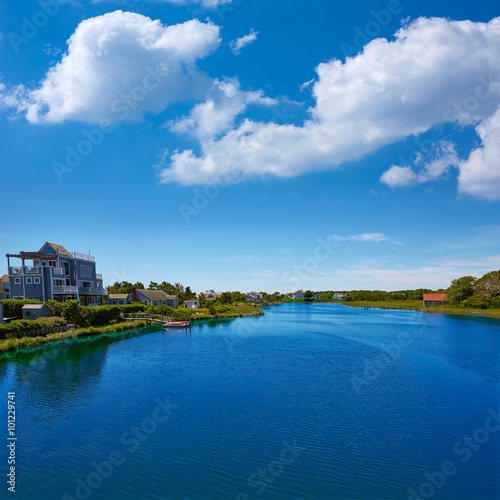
(51, 51)
(306, 85)
(367, 237)
(239, 43)
(399, 176)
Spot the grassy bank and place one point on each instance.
(416, 305)
(227, 311)
(13, 343)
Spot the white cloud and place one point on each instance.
(430, 74)
(434, 166)
(399, 176)
(216, 114)
(121, 65)
(239, 43)
(366, 237)
(480, 173)
(210, 4)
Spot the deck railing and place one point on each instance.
(82, 256)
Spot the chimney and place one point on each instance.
(134, 295)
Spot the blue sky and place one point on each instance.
(254, 145)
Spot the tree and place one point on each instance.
(488, 286)
(308, 295)
(461, 288)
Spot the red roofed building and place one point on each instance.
(434, 299)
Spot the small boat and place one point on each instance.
(177, 324)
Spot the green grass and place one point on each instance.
(233, 311)
(417, 305)
(13, 343)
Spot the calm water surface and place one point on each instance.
(307, 402)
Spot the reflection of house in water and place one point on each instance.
(60, 373)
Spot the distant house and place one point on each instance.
(434, 299)
(211, 295)
(35, 311)
(339, 295)
(318, 296)
(192, 304)
(254, 297)
(299, 294)
(4, 287)
(157, 298)
(119, 299)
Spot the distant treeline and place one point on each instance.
(379, 296)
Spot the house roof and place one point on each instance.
(34, 306)
(5, 277)
(435, 296)
(58, 248)
(157, 294)
(118, 295)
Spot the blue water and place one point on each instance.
(306, 402)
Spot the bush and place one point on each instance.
(475, 302)
(495, 302)
(12, 308)
(100, 315)
(28, 325)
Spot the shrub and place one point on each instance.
(28, 325)
(475, 302)
(12, 308)
(100, 315)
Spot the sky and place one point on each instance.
(254, 145)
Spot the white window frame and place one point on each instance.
(29, 280)
(17, 281)
(36, 281)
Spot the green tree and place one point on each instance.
(461, 288)
(488, 286)
(308, 295)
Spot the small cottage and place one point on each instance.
(119, 299)
(434, 299)
(192, 304)
(35, 311)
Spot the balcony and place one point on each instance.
(89, 290)
(15, 270)
(33, 270)
(64, 289)
(82, 256)
(58, 270)
(98, 276)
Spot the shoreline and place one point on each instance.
(432, 310)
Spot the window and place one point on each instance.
(99, 284)
(29, 281)
(52, 263)
(82, 270)
(17, 281)
(36, 281)
(89, 272)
